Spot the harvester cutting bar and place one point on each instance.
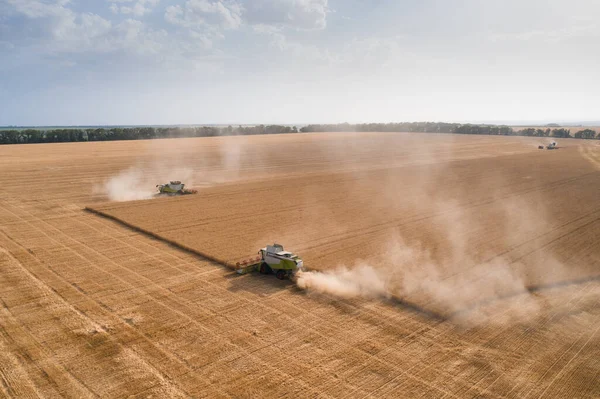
(248, 265)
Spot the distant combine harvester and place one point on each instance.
(174, 188)
(551, 146)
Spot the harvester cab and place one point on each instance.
(272, 259)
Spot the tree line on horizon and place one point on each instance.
(25, 136)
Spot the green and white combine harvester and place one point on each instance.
(272, 259)
(174, 188)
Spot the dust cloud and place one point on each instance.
(412, 277)
(450, 270)
(128, 185)
(197, 163)
(363, 280)
(139, 182)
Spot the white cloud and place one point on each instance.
(204, 13)
(65, 31)
(134, 36)
(297, 51)
(204, 40)
(39, 9)
(174, 15)
(90, 33)
(6, 45)
(298, 14)
(551, 35)
(63, 25)
(204, 21)
(136, 7)
(266, 29)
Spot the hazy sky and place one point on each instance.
(297, 61)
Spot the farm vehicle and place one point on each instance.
(551, 146)
(272, 259)
(174, 188)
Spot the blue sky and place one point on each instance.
(297, 61)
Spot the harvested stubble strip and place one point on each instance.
(160, 238)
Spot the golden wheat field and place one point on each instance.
(441, 266)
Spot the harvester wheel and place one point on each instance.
(265, 269)
(280, 274)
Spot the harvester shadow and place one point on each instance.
(171, 243)
(265, 284)
(421, 310)
(260, 284)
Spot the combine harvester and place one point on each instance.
(551, 146)
(174, 188)
(272, 259)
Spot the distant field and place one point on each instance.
(488, 245)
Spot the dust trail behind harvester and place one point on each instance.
(424, 286)
(443, 266)
(362, 281)
(193, 162)
(139, 182)
(128, 185)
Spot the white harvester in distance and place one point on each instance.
(272, 259)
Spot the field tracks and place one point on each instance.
(121, 299)
(90, 327)
(390, 297)
(174, 308)
(393, 299)
(13, 267)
